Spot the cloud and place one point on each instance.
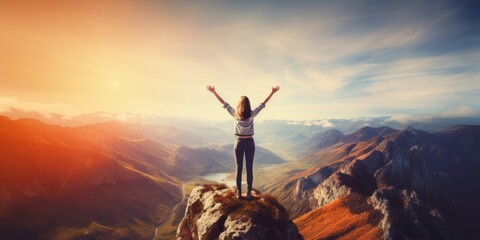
(458, 112)
(406, 118)
(323, 123)
(7, 104)
(332, 58)
(423, 84)
(128, 117)
(461, 111)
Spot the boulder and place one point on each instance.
(214, 212)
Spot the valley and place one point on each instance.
(121, 181)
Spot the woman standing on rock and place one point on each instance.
(243, 129)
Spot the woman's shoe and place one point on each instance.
(249, 196)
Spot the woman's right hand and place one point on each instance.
(275, 89)
(211, 88)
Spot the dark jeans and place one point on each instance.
(244, 146)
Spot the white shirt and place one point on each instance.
(243, 126)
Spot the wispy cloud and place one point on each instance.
(332, 58)
(8, 104)
(324, 123)
(459, 112)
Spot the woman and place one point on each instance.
(243, 129)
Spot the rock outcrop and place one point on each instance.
(408, 217)
(214, 212)
(394, 174)
(311, 181)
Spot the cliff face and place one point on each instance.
(424, 185)
(214, 212)
(382, 173)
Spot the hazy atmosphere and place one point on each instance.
(110, 127)
(333, 59)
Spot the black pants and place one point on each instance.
(244, 146)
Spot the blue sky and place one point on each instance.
(332, 59)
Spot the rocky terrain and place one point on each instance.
(118, 181)
(214, 212)
(422, 183)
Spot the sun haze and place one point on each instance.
(333, 59)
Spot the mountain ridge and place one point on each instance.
(419, 167)
(422, 184)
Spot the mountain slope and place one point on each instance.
(424, 184)
(114, 176)
(53, 181)
(350, 217)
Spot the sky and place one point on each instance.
(332, 59)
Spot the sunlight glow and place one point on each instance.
(156, 57)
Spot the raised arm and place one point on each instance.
(274, 90)
(212, 89)
(225, 104)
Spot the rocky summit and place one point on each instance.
(214, 212)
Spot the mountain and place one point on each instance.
(214, 212)
(198, 161)
(326, 139)
(320, 165)
(287, 138)
(55, 183)
(171, 135)
(333, 136)
(366, 133)
(97, 180)
(148, 153)
(423, 184)
(342, 218)
(118, 180)
(110, 179)
(332, 145)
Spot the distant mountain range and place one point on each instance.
(286, 138)
(423, 185)
(283, 128)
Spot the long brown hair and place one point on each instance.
(244, 110)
